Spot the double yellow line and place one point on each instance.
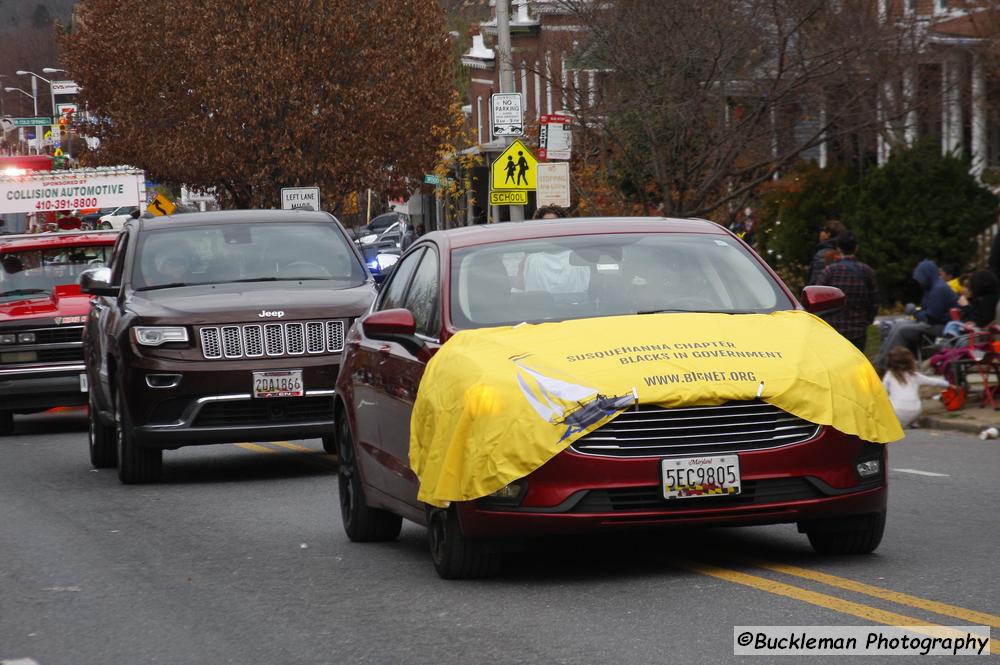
(874, 615)
(316, 458)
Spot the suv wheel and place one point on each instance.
(455, 557)
(330, 444)
(136, 464)
(362, 524)
(103, 439)
(861, 535)
(6, 423)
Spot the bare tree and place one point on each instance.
(702, 101)
(250, 98)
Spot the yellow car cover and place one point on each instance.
(495, 404)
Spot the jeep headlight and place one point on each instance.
(158, 335)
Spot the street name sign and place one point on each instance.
(507, 114)
(305, 198)
(513, 198)
(555, 140)
(65, 88)
(31, 122)
(514, 169)
(553, 185)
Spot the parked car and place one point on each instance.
(41, 319)
(218, 327)
(465, 278)
(92, 220)
(370, 233)
(116, 218)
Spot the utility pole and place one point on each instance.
(506, 77)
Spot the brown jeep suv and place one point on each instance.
(216, 328)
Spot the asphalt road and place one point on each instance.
(239, 557)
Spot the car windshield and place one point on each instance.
(246, 252)
(38, 271)
(606, 275)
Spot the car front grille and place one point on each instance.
(272, 340)
(651, 431)
(265, 411)
(52, 345)
(753, 492)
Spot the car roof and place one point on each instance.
(17, 243)
(233, 217)
(483, 234)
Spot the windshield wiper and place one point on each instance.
(695, 311)
(274, 279)
(171, 285)
(22, 292)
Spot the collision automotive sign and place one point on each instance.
(69, 190)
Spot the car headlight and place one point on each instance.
(157, 335)
(26, 338)
(8, 339)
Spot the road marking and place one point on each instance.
(293, 446)
(823, 600)
(255, 447)
(19, 661)
(922, 473)
(885, 594)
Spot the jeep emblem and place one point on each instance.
(267, 314)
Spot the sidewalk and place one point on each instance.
(971, 419)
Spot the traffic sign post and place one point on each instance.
(514, 169)
(553, 185)
(507, 114)
(555, 140)
(161, 205)
(304, 198)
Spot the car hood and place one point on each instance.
(257, 302)
(65, 304)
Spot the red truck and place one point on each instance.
(42, 313)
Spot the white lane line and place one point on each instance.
(19, 661)
(922, 473)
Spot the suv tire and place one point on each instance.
(361, 523)
(103, 439)
(136, 464)
(455, 557)
(6, 423)
(330, 444)
(862, 537)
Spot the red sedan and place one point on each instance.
(831, 484)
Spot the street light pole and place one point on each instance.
(506, 75)
(34, 91)
(34, 101)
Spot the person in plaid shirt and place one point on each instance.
(857, 281)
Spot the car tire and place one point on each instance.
(361, 523)
(103, 439)
(863, 536)
(106, 226)
(330, 444)
(455, 557)
(136, 464)
(6, 423)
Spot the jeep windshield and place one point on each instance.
(35, 272)
(608, 275)
(225, 253)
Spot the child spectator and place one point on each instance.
(902, 382)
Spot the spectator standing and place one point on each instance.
(857, 281)
(935, 312)
(827, 243)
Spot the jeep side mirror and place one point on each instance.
(96, 282)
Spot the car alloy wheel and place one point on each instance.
(455, 557)
(361, 523)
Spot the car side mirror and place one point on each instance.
(823, 300)
(394, 325)
(96, 282)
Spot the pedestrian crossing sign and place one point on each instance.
(514, 169)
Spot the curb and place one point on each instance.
(930, 422)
